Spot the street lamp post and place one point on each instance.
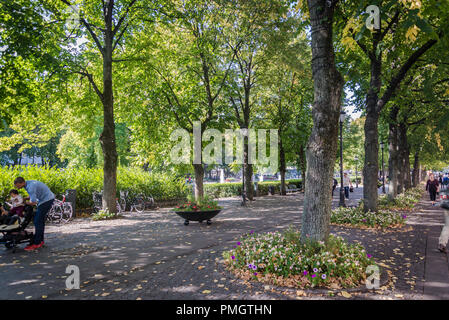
(383, 170)
(356, 178)
(342, 192)
(243, 186)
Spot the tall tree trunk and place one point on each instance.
(400, 170)
(416, 169)
(303, 165)
(393, 154)
(371, 165)
(282, 166)
(322, 146)
(405, 152)
(199, 178)
(248, 170)
(107, 137)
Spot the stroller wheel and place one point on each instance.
(209, 222)
(186, 222)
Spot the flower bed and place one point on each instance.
(204, 204)
(403, 201)
(357, 217)
(391, 214)
(281, 259)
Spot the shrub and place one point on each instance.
(104, 215)
(403, 201)
(86, 181)
(223, 190)
(281, 258)
(357, 217)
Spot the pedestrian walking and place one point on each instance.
(444, 236)
(445, 181)
(346, 184)
(334, 185)
(432, 187)
(41, 196)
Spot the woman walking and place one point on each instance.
(432, 187)
(346, 184)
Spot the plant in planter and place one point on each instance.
(203, 209)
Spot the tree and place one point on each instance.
(187, 63)
(322, 146)
(389, 45)
(259, 31)
(105, 26)
(287, 83)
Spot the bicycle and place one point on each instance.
(98, 202)
(61, 211)
(138, 203)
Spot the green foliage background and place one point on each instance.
(161, 186)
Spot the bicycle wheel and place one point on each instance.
(139, 204)
(67, 212)
(123, 204)
(50, 214)
(149, 201)
(57, 213)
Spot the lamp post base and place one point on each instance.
(342, 198)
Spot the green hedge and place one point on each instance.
(222, 190)
(86, 181)
(163, 187)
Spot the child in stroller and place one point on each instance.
(16, 212)
(14, 234)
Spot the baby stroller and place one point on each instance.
(15, 234)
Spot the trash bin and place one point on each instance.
(271, 190)
(70, 196)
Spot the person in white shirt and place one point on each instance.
(346, 184)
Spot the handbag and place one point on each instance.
(351, 189)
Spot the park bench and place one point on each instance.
(292, 188)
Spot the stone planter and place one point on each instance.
(199, 216)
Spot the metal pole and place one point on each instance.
(342, 192)
(356, 178)
(383, 170)
(243, 186)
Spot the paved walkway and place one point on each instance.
(154, 256)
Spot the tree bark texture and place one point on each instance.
(371, 164)
(416, 169)
(107, 137)
(393, 154)
(322, 145)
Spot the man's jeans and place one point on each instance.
(39, 221)
(347, 192)
(444, 237)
